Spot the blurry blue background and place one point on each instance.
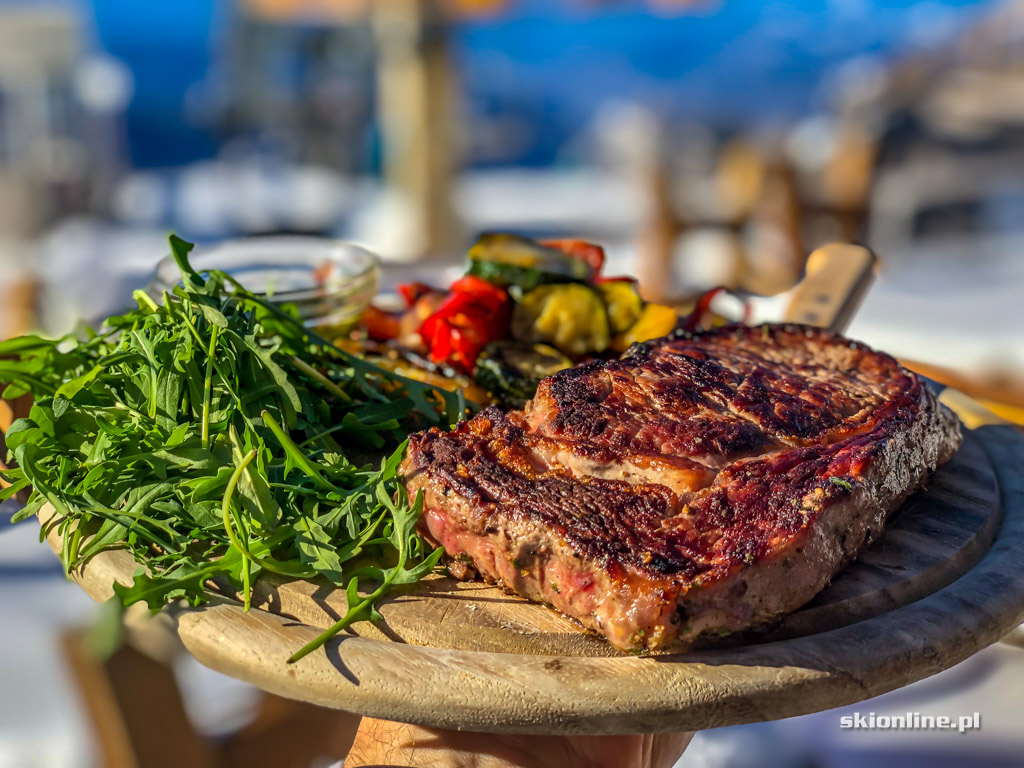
(728, 63)
(169, 49)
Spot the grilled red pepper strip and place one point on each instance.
(701, 315)
(590, 254)
(411, 292)
(484, 293)
(474, 314)
(701, 310)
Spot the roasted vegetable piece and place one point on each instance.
(508, 275)
(413, 318)
(474, 314)
(413, 292)
(456, 335)
(623, 303)
(506, 260)
(511, 370)
(589, 253)
(701, 313)
(570, 316)
(378, 324)
(408, 367)
(655, 320)
(703, 317)
(483, 292)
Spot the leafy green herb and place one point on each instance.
(843, 483)
(215, 437)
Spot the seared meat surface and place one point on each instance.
(703, 484)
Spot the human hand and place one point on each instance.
(385, 743)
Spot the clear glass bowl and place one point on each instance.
(329, 282)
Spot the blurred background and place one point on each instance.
(703, 142)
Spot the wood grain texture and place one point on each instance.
(945, 580)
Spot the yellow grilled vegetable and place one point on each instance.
(570, 317)
(655, 320)
(623, 302)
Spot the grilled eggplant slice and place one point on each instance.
(511, 371)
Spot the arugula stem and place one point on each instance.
(190, 325)
(323, 434)
(144, 299)
(355, 611)
(76, 543)
(351, 616)
(293, 451)
(132, 411)
(313, 373)
(208, 386)
(225, 509)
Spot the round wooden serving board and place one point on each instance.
(945, 580)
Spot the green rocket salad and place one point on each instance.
(215, 438)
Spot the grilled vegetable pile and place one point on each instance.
(215, 438)
(524, 310)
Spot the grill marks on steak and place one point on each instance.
(646, 527)
(652, 411)
(702, 484)
(714, 398)
(483, 462)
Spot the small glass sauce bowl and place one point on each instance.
(329, 282)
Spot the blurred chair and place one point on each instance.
(139, 718)
(41, 163)
(755, 213)
(38, 49)
(414, 99)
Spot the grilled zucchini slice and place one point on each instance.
(508, 260)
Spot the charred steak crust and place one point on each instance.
(703, 484)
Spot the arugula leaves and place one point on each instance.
(215, 437)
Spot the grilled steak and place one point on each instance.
(705, 483)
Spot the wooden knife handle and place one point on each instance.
(837, 279)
